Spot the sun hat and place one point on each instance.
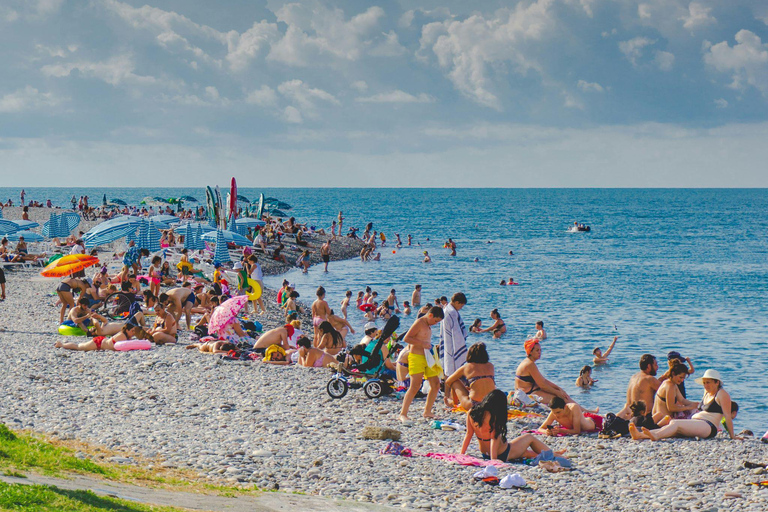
(709, 374)
(238, 266)
(369, 326)
(675, 355)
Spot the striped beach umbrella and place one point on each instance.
(26, 224)
(153, 238)
(229, 236)
(29, 236)
(221, 254)
(111, 230)
(49, 229)
(199, 242)
(7, 227)
(143, 241)
(69, 221)
(189, 236)
(1, 212)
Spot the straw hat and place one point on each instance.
(709, 374)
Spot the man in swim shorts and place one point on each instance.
(416, 296)
(418, 338)
(325, 253)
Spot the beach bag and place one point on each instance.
(201, 330)
(614, 425)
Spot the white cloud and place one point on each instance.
(359, 85)
(390, 47)
(28, 98)
(698, 16)
(315, 30)
(46, 7)
(406, 19)
(633, 48)
(589, 86)
(292, 115)
(263, 97)
(664, 60)
(747, 61)
(52, 51)
(396, 97)
(246, 46)
(305, 96)
(114, 71)
(644, 11)
(469, 49)
(571, 101)
(158, 20)
(212, 93)
(721, 103)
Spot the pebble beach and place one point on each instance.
(247, 423)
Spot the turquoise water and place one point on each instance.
(682, 270)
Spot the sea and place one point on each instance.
(663, 269)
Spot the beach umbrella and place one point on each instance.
(70, 221)
(242, 198)
(164, 219)
(228, 236)
(276, 213)
(110, 230)
(7, 227)
(189, 236)
(188, 199)
(68, 265)
(199, 242)
(25, 224)
(104, 200)
(143, 241)
(249, 222)
(48, 228)
(119, 201)
(153, 237)
(221, 254)
(130, 237)
(204, 226)
(29, 236)
(226, 313)
(1, 212)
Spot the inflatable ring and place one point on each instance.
(366, 307)
(255, 294)
(184, 265)
(126, 345)
(68, 330)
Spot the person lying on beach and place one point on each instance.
(600, 357)
(488, 422)
(213, 347)
(418, 338)
(275, 354)
(585, 379)
(669, 400)
(529, 379)
(571, 418)
(674, 358)
(643, 385)
(716, 407)
(165, 328)
(341, 325)
(100, 342)
(277, 336)
(469, 384)
(312, 357)
(498, 327)
(331, 341)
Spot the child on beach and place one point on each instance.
(320, 311)
(600, 357)
(585, 379)
(345, 303)
(406, 307)
(421, 362)
(359, 299)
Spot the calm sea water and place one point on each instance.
(682, 270)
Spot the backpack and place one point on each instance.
(614, 425)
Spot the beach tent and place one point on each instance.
(6, 227)
(228, 236)
(29, 236)
(221, 254)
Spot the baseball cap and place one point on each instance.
(369, 326)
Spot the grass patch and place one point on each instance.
(44, 498)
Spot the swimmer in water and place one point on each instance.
(511, 253)
(427, 259)
(512, 281)
(477, 260)
(601, 358)
(585, 379)
(503, 283)
(476, 325)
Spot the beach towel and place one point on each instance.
(511, 413)
(464, 460)
(541, 433)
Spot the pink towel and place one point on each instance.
(538, 433)
(465, 460)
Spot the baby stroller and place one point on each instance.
(370, 373)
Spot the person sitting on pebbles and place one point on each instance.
(312, 357)
(571, 418)
(472, 381)
(100, 342)
(277, 336)
(165, 328)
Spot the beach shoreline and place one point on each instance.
(251, 423)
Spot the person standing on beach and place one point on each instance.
(642, 386)
(453, 336)
(325, 253)
(416, 296)
(418, 338)
(320, 312)
(23, 193)
(2, 284)
(341, 223)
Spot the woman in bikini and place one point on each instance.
(488, 422)
(669, 399)
(100, 342)
(154, 275)
(498, 327)
(331, 340)
(312, 357)
(66, 292)
(473, 381)
(529, 379)
(165, 328)
(716, 405)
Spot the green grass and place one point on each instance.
(44, 498)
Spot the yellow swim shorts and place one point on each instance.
(418, 364)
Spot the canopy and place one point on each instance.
(29, 236)
(221, 254)
(228, 236)
(68, 265)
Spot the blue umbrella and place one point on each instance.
(111, 230)
(25, 224)
(229, 237)
(49, 228)
(6, 227)
(153, 237)
(1, 212)
(248, 222)
(71, 221)
(203, 225)
(189, 237)
(143, 241)
(199, 242)
(221, 254)
(130, 237)
(165, 219)
(29, 236)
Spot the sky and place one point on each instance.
(547, 93)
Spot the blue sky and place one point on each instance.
(547, 93)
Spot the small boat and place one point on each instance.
(579, 228)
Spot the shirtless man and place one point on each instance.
(276, 336)
(320, 310)
(541, 334)
(418, 338)
(184, 299)
(325, 252)
(416, 296)
(642, 386)
(601, 358)
(391, 302)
